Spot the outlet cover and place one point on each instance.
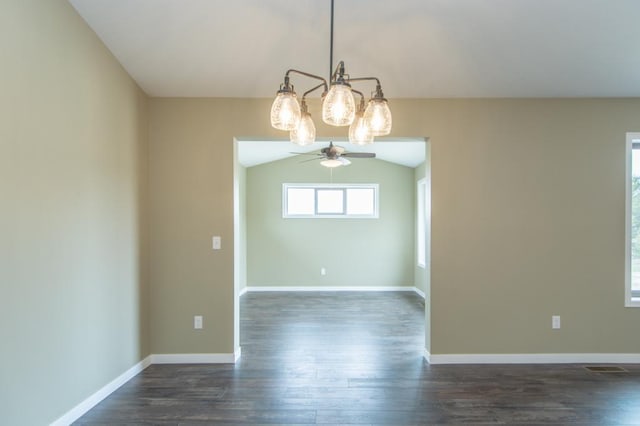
(197, 322)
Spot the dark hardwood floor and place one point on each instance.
(356, 358)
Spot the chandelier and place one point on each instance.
(338, 106)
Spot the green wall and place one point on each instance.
(354, 252)
(73, 223)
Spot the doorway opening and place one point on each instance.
(277, 253)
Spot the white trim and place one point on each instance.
(629, 301)
(427, 355)
(420, 292)
(243, 291)
(79, 410)
(576, 358)
(421, 222)
(259, 289)
(193, 358)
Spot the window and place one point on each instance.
(310, 200)
(632, 273)
(421, 201)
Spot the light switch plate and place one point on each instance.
(197, 322)
(217, 243)
(555, 321)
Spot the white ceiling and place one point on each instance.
(418, 48)
(408, 153)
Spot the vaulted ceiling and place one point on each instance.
(418, 48)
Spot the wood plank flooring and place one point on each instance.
(356, 358)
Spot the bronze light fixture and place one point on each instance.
(338, 106)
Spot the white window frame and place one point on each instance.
(321, 186)
(632, 299)
(421, 222)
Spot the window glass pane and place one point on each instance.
(330, 201)
(300, 201)
(360, 201)
(635, 220)
(635, 161)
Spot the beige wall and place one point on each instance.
(528, 220)
(354, 252)
(191, 199)
(528, 217)
(73, 153)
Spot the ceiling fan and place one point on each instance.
(334, 156)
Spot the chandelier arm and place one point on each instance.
(323, 84)
(361, 97)
(317, 77)
(306, 74)
(379, 93)
(365, 79)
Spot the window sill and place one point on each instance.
(633, 303)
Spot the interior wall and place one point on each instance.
(191, 184)
(289, 252)
(527, 220)
(73, 188)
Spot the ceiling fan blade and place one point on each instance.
(359, 154)
(304, 153)
(312, 159)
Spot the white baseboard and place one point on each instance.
(80, 409)
(419, 292)
(86, 405)
(575, 358)
(427, 356)
(194, 358)
(243, 291)
(332, 288)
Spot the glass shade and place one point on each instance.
(305, 132)
(285, 111)
(378, 117)
(339, 107)
(359, 132)
(331, 163)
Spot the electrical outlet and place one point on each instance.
(555, 321)
(197, 322)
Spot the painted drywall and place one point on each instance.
(290, 252)
(73, 280)
(527, 220)
(191, 184)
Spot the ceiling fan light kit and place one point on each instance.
(334, 156)
(338, 106)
